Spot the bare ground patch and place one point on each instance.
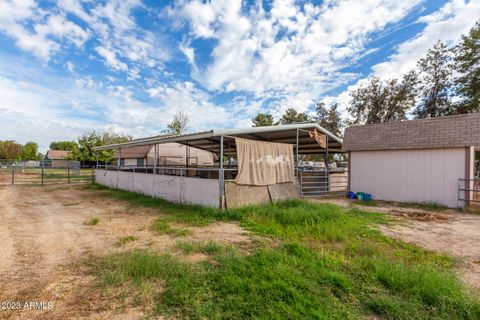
(43, 234)
(456, 234)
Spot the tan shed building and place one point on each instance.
(421, 161)
(58, 158)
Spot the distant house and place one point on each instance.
(168, 154)
(58, 158)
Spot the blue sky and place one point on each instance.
(69, 66)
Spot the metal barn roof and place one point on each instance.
(209, 140)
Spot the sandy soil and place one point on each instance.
(448, 231)
(43, 233)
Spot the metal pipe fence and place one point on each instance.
(205, 172)
(44, 172)
(468, 192)
(318, 183)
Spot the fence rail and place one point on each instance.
(318, 183)
(468, 191)
(43, 173)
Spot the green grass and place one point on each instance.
(327, 263)
(162, 227)
(209, 247)
(123, 240)
(92, 221)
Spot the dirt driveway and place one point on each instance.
(43, 233)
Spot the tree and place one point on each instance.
(95, 139)
(10, 150)
(379, 101)
(179, 123)
(29, 151)
(330, 118)
(262, 119)
(293, 116)
(64, 145)
(467, 65)
(435, 82)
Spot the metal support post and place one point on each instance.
(119, 158)
(43, 170)
(221, 177)
(68, 171)
(13, 173)
(297, 155)
(155, 156)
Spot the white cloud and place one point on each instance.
(294, 53)
(447, 24)
(111, 59)
(452, 20)
(70, 66)
(44, 39)
(195, 102)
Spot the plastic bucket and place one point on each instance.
(352, 195)
(360, 195)
(367, 197)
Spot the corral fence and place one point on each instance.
(468, 192)
(45, 172)
(320, 183)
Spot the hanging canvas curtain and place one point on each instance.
(264, 163)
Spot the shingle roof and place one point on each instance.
(57, 154)
(441, 132)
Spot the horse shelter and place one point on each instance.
(249, 166)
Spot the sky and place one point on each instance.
(127, 66)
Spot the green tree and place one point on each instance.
(435, 71)
(329, 118)
(378, 101)
(64, 145)
(467, 65)
(96, 139)
(293, 116)
(179, 123)
(29, 151)
(262, 119)
(10, 150)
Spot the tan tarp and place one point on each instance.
(264, 163)
(320, 138)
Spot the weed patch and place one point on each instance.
(162, 227)
(92, 221)
(123, 240)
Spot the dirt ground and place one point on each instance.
(448, 231)
(43, 234)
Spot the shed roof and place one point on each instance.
(209, 140)
(57, 154)
(441, 132)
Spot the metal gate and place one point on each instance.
(318, 183)
(43, 173)
(468, 192)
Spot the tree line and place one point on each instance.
(446, 81)
(82, 148)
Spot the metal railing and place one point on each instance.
(317, 183)
(194, 171)
(468, 190)
(43, 172)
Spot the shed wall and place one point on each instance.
(172, 188)
(424, 175)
